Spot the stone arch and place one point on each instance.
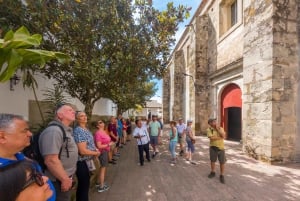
(231, 111)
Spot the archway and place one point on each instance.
(231, 111)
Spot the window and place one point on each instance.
(229, 15)
(233, 13)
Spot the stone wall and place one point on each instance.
(270, 79)
(297, 140)
(202, 109)
(285, 79)
(179, 63)
(166, 95)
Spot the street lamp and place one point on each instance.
(187, 75)
(191, 25)
(198, 87)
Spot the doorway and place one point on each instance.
(234, 123)
(231, 112)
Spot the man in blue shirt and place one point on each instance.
(14, 137)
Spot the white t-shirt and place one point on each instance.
(181, 127)
(143, 133)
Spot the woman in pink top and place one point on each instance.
(102, 141)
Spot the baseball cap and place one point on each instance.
(211, 120)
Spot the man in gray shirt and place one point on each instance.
(60, 156)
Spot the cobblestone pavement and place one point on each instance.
(246, 179)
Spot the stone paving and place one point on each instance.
(246, 179)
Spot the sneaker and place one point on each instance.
(154, 154)
(222, 179)
(181, 153)
(193, 162)
(148, 160)
(211, 175)
(112, 162)
(173, 161)
(117, 154)
(98, 185)
(102, 189)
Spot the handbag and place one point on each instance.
(90, 164)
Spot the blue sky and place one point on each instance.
(161, 5)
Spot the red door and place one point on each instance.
(231, 109)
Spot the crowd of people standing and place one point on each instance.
(73, 151)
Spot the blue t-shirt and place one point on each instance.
(20, 156)
(120, 127)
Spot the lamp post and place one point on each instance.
(187, 75)
(198, 87)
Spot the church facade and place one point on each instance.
(238, 61)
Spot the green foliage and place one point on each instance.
(15, 51)
(53, 97)
(116, 46)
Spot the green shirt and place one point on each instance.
(154, 128)
(211, 132)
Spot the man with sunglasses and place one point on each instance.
(14, 137)
(60, 155)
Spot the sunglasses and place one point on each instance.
(100, 122)
(36, 177)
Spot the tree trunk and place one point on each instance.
(89, 109)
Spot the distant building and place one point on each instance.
(238, 61)
(152, 107)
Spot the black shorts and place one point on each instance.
(216, 153)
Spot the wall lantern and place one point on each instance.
(14, 80)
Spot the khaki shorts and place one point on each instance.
(112, 146)
(181, 139)
(216, 153)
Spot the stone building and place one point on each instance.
(238, 61)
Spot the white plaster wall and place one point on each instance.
(17, 101)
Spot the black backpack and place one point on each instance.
(33, 150)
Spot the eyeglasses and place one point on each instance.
(100, 122)
(36, 177)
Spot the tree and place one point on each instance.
(113, 43)
(127, 98)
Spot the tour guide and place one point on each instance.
(216, 135)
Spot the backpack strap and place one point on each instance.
(65, 139)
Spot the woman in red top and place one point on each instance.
(102, 141)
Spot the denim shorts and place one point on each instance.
(103, 158)
(154, 140)
(190, 146)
